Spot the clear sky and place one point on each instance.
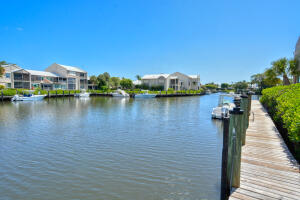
(223, 41)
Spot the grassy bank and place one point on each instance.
(12, 92)
(283, 104)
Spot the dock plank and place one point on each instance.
(268, 169)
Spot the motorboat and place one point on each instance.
(83, 93)
(219, 112)
(120, 93)
(28, 97)
(224, 107)
(145, 94)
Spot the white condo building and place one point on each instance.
(177, 81)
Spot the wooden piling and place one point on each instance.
(225, 178)
(237, 148)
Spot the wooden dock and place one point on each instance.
(268, 170)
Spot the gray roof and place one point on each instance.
(41, 73)
(71, 68)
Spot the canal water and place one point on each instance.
(110, 148)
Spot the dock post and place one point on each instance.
(48, 94)
(63, 93)
(225, 177)
(237, 115)
(56, 93)
(69, 93)
(244, 106)
(2, 95)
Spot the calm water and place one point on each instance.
(108, 148)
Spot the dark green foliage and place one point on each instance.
(283, 104)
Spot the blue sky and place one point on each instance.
(223, 41)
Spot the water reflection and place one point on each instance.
(113, 148)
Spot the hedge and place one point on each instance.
(283, 104)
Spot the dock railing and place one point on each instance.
(234, 136)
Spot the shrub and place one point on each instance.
(2, 87)
(283, 104)
(9, 92)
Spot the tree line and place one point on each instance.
(105, 81)
(282, 71)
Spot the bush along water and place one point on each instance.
(283, 104)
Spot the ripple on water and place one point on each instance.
(109, 148)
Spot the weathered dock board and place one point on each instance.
(268, 170)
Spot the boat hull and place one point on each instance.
(31, 98)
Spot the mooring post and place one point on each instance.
(237, 114)
(48, 94)
(225, 177)
(2, 95)
(63, 93)
(244, 117)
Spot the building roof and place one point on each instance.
(41, 73)
(155, 76)
(71, 68)
(194, 76)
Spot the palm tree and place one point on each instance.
(138, 77)
(280, 67)
(293, 69)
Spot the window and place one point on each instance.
(8, 85)
(7, 75)
(72, 73)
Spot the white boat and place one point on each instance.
(83, 93)
(120, 93)
(224, 106)
(208, 92)
(145, 95)
(30, 97)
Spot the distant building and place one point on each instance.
(297, 56)
(137, 82)
(7, 79)
(91, 85)
(74, 77)
(177, 81)
(54, 77)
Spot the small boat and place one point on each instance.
(120, 93)
(83, 93)
(29, 97)
(219, 112)
(224, 106)
(145, 95)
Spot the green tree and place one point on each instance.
(126, 83)
(101, 81)
(138, 77)
(293, 69)
(281, 68)
(2, 68)
(106, 76)
(115, 82)
(94, 80)
(271, 78)
(224, 85)
(211, 86)
(241, 85)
